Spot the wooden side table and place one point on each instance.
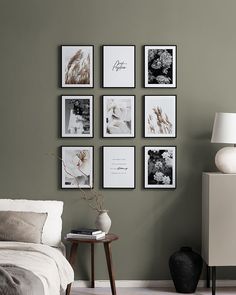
(107, 247)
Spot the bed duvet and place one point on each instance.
(45, 267)
(15, 280)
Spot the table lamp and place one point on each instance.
(224, 131)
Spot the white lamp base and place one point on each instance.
(225, 160)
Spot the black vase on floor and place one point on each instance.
(185, 268)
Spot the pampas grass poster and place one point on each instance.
(77, 66)
(160, 116)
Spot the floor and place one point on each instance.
(147, 291)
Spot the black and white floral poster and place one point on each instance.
(118, 66)
(160, 66)
(77, 66)
(77, 167)
(160, 167)
(118, 116)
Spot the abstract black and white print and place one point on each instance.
(77, 66)
(118, 116)
(160, 66)
(77, 116)
(160, 167)
(160, 116)
(77, 167)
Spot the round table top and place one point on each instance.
(108, 238)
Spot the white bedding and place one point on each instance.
(46, 262)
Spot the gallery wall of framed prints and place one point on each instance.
(117, 116)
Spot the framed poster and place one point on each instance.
(160, 167)
(160, 116)
(77, 167)
(77, 66)
(118, 116)
(77, 116)
(118, 66)
(118, 166)
(160, 66)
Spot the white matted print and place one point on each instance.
(160, 116)
(119, 167)
(77, 116)
(160, 167)
(77, 66)
(118, 116)
(77, 167)
(160, 66)
(119, 66)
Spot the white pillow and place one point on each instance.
(53, 225)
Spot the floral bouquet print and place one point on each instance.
(160, 165)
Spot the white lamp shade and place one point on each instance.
(224, 129)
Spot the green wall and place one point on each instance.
(151, 223)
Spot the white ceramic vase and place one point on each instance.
(103, 221)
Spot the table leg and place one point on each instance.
(107, 248)
(208, 276)
(68, 289)
(213, 280)
(73, 252)
(92, 266)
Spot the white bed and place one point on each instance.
(45, 260)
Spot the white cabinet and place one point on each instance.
(218, 220)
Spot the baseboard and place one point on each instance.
(147, 284)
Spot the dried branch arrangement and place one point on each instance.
(94, 198)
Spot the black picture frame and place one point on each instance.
(103, 84)
(104, 186)
(63, 170)
(62, 131)
(65, 85)
(133, 125)
(147, 169)
(174, 71)
(145, 98)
